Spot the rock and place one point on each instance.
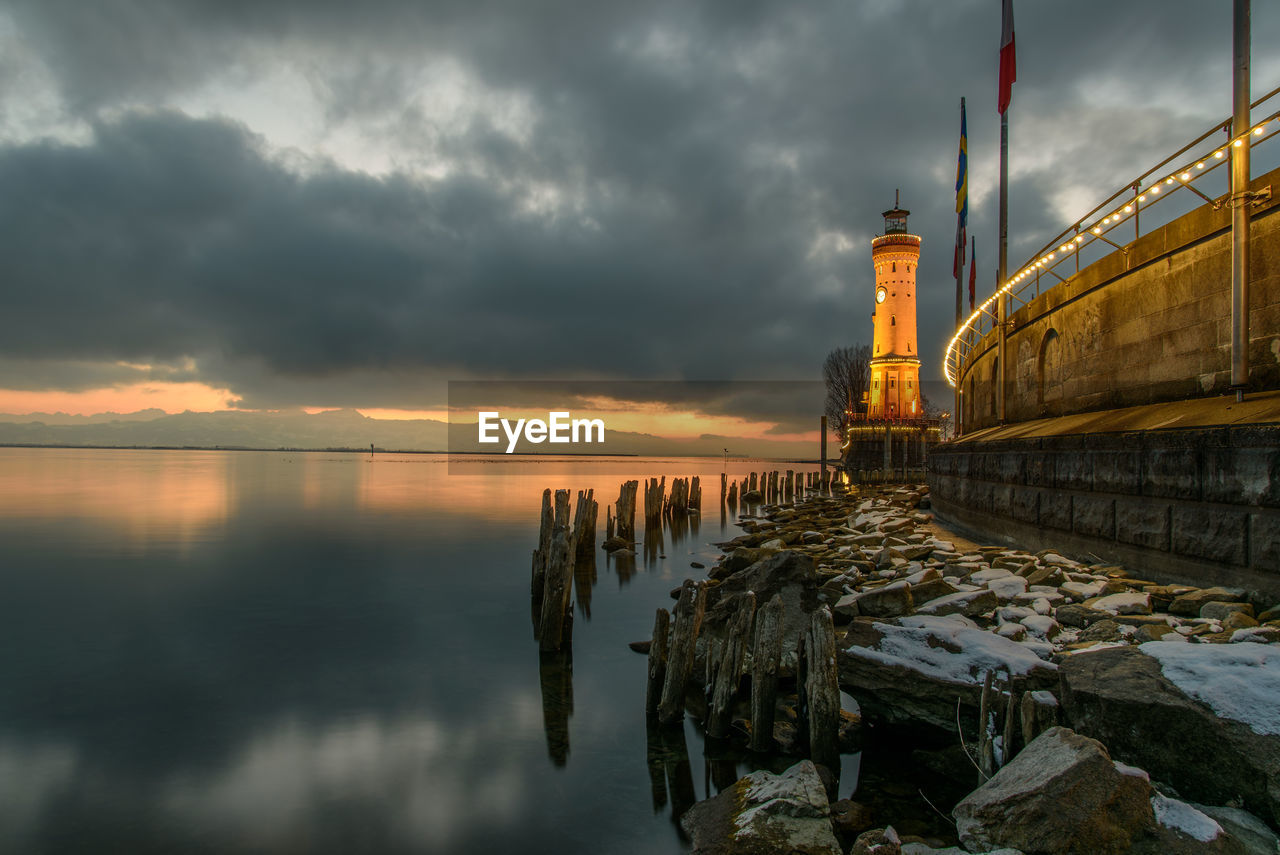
(1272, 613)
(1239, 620)
(1012, 631)
(755, 497)
(850, 818)
(1076, 615)
(615, 543)
(931, 589)
(892, 600)
(1052, 576)
(1122, 696)
(1216, 610)
(967, 603)
(640, 646)
(1184, 829)
(1042, 626)
(1060, 794)
(1250, 832)
(917, 671)
(1152, 632)
(878, 841)
(1103, 630)
(1122, 604)
(1038, 713)
(1189, 604)
(763, 813)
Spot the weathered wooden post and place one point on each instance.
(725, 673)
(541, 554)
(626, 514)
(584, 525)
(688, 621)
(823, 691)
(695, 494)
(765, 654)
(822, 431)
(657, 661)
(557, 616)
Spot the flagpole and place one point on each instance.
(1003, 302)
(959, 271)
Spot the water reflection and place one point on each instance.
(232, 651)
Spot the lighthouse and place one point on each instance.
(894, 392)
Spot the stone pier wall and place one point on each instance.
(1200, 506)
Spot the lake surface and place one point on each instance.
(208, 651)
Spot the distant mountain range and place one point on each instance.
(340, 429)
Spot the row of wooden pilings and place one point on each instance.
(773, 486)
(672, 658)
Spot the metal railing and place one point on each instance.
(1196, 159)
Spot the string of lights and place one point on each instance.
(1087, 230)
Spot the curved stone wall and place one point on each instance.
(1149, 324)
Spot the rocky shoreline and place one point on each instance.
(1089, 710)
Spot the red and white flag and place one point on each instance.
(1008, 60)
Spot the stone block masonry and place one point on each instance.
(1199, 506)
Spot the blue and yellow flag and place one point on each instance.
(962, 193)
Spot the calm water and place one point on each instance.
(272, 652)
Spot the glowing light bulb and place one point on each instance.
(1168, 181)
(1219, 154)
(1238, 143)
(1097, 230)
(1155, 189)
(1128, 209)
(1257, 132)
(1200, 165)
(1186, 176)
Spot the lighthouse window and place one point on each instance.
(893, 320)
(895, 267)
(893, 383)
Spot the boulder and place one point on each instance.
(931, 589)
(1190, 603)
(763, 813)
(1221, 611)
(892, 600)
(967, 603)
(916, 670)
(1060, 794)
(877, 841)
(1079, 616)
(1151, 705)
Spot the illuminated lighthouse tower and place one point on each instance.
(895, 359)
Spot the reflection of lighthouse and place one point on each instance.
(895, 360)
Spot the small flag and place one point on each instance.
(973, 269)
(962, 194)
(1008, 59)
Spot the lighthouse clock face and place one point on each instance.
(880, 294)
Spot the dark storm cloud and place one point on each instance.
(702, 165)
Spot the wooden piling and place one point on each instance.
(625, 517)
(657, 661)
(540, 556)
(557, 616)
(823, 690)
(688, 621)
(725, 676)
(765, 654)
(584, 525)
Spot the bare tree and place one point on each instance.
(846, 371)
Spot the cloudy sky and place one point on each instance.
(331, 204)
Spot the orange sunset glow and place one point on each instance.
(170, 397)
